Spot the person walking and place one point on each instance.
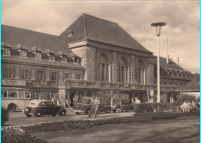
(92, 107)
(97, 103)
(67, 103)
(74, 102)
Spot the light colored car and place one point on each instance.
(43, 107)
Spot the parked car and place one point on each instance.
(126, 105)
(43, 107)
(84, 106)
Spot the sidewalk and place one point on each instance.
(22, 120)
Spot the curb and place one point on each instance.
(90, 119)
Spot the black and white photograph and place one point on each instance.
(100, 71)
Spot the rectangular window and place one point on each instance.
(25, 74)
(77, 76)
(40, 75)
(64, 59)
(12, 94)
(51, 57)
(38, 55)
(6, 51)
(66, 76)
(54, 76)
(4, 94)
(35, 94)
(23, 53)
(50, 94)
(8, 73)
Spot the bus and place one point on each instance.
(14, 99)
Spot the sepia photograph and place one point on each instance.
(100, 71)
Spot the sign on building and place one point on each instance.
(13, 82)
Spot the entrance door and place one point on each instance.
(72, 95)
(168, 97)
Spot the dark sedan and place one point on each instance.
(43, 107)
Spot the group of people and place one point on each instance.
(187, 106)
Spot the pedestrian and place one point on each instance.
(68, 103)
(97, 103)
(93, 106)
(74, 102)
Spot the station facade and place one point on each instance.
(92, 57)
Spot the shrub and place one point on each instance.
(4, 116)
(17, 135)
(158, 107)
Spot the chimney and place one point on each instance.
(167, 59)
(177, 60)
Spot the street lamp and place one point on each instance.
(158, 32)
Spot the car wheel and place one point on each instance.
(38, 114)
(28, 115)
(78, 113)
(107, 111)
(63, 113)
(87, 111)
(114, 110)
(11, 108)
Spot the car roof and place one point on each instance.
(38, 101)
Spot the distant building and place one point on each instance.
(192, 88)
(91, 57)
(171, 75)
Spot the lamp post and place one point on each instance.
(158, 32)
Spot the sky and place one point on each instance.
(182, 20)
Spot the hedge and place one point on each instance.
(4, 116)
(156, 107)
(17, 135)
(84, 124)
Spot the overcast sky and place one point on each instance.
(182, 18)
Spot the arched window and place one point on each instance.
(103, 68)
(123, 70)
(140, 72)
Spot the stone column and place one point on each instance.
(33, 74)
(68, 94)
(60, 76)
(73, 75)
(132, 76)
(114, 67)
(132, 97)
(62, 93)
(17, 73)
(47, 75)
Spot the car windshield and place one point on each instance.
(85, 101)
(126, 102)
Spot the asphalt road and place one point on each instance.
(18, 118)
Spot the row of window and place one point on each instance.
(40, 75)
(177, 74)
(174, 83)
(27, 95)
(38, 55)
(123, 70)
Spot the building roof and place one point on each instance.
(88, 27)
(43, 62)
(192, 86)
(27, 38)
(164, 64)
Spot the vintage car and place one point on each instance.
(43, 107)
(126, 105)
(84, 106)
